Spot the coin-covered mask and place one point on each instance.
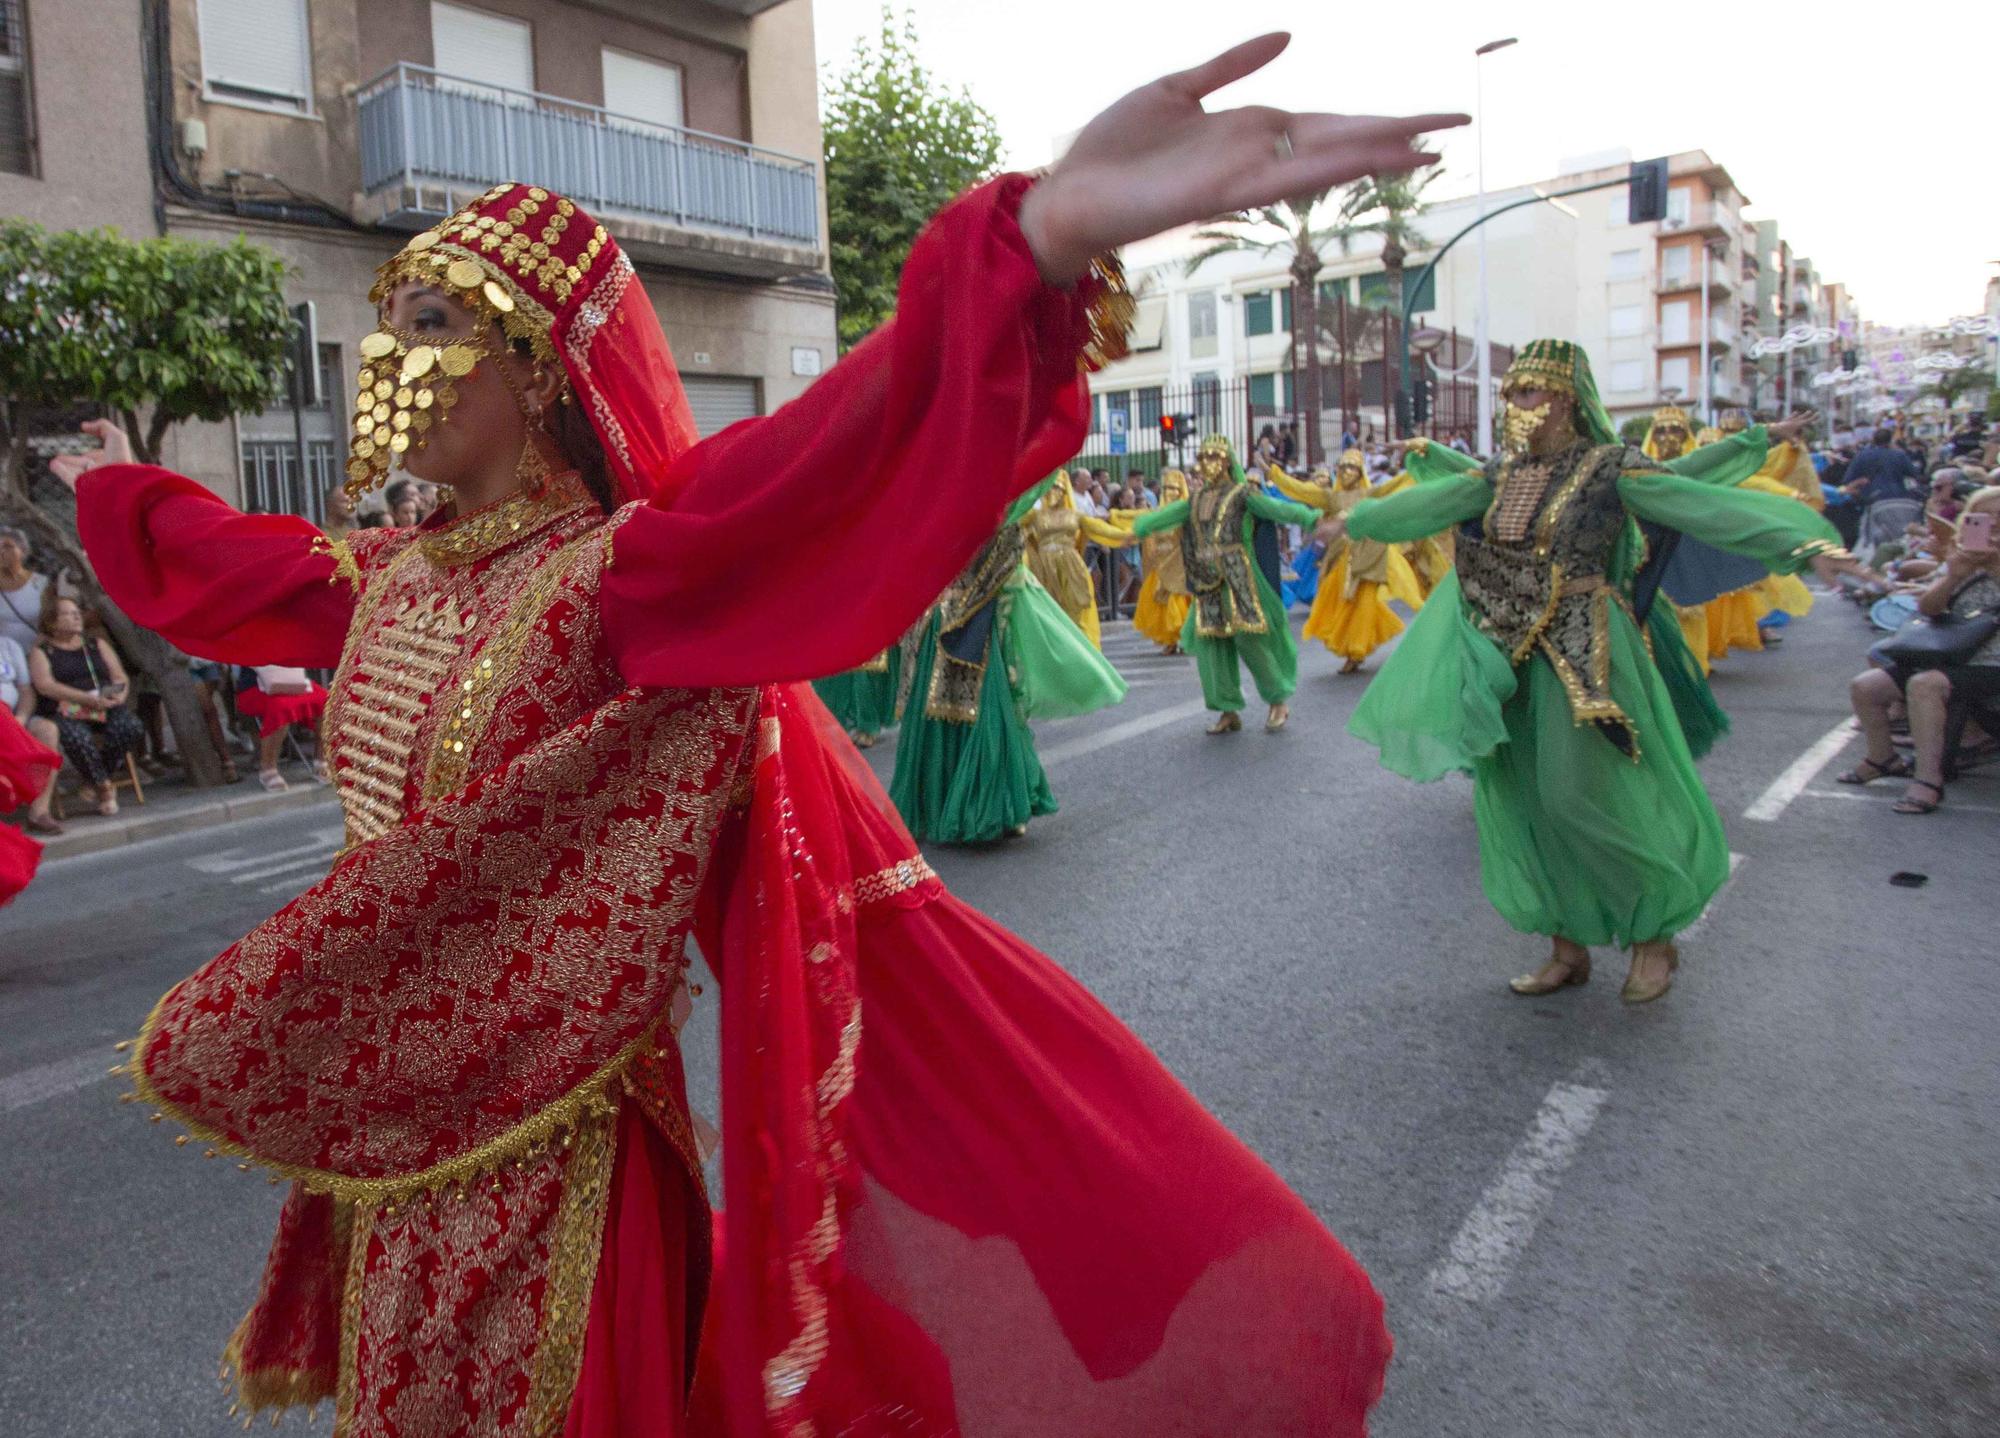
(1519, 426)
(1214, 462)
(405, 385)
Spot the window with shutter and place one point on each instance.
(641, 89)
(257, 52)
(484, 52)
(17, 115)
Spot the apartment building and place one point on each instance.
(1656, 305)
(331, 130)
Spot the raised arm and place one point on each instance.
(237, 588)
(1281, 511)
(1776, 531)
(1158, 521)
(1430, 506)
(1319, 496)
(882, 480)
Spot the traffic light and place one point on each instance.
(1646, 192)
(1169, 429)
(1420, 400)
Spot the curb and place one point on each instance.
(205, 815)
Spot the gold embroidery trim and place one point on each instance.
(492, 528)
(1812, 549)
(1108, 314)
(347, 1390)
(524, 1139)
(471, 707)
(572, 1275)
(344, 565)
(899, 878)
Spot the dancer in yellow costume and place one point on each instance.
(1668, 437)
(1055, 531)
(1163, 597)
(1787, 470)
(1430, 558)
(1350, 613)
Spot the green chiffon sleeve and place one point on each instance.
(1430, 506)
(1281, 511)
(1727, 461)
(1167, 516)
(1430, 463)
(1775, 530)
(1053, 670)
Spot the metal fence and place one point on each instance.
(420, 127)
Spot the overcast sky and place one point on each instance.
(1866, 141)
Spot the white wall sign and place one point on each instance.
(805, 360)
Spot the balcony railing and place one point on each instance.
(420, 127)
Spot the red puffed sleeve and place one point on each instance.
(237, 588)
(804, 543)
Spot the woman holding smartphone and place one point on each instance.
(82, 689)
(1967, 587)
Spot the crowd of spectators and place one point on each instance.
(1921, 513)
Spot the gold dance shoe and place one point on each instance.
(1638, 991)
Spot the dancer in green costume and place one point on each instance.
(1229, 547)
(1528, 668)
(994, 652)
(863, 701)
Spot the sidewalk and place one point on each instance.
(172, 807)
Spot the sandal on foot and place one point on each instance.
(1868, 771)
(1907, 805)
(1228, 723)
(272, 780)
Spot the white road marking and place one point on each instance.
(53, 1080)
(1701, 919)
(1502, 1224)
(1803, 770)
(1119, 733)
(228, 861)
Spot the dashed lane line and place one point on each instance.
(1775, 799)
(1501, 1225)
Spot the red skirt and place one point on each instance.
(275, 711)
(994, 1212)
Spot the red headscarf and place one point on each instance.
(549, 274)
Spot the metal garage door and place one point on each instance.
(718, 401)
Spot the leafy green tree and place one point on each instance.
(899, 144)
(1389, 206)
(156, 332)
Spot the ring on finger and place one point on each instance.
(1283, 145)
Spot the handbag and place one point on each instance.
(70, 709)
(1944, 642)
(282, 679)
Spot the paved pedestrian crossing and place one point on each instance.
(273, 871)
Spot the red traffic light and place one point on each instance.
(1166, 424)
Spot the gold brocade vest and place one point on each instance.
(1367, 559)
(1533, 575)
(1219, 567)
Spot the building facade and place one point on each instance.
(1656, 305)
(329, 131)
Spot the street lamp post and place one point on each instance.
(1479, 332)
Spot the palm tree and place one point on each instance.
(1287, 229)
(1389, 206)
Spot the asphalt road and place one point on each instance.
(1767, 1205)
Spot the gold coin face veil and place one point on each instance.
(405, 386)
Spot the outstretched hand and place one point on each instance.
(117, 449)
(1792, 426)
(1829, 568)
(1156, 159)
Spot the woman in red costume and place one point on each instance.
(25, 766)
(567, 735)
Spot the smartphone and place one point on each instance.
(1975, 533)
